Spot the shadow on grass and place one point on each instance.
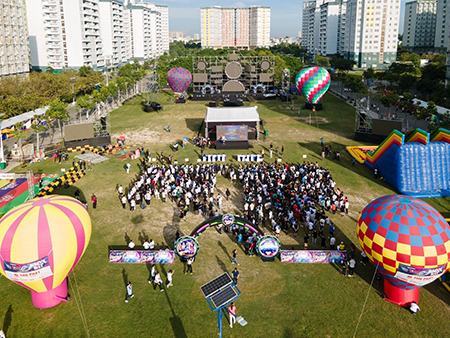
(194, 124)
(221, 264)
(72, 191)
(175, 321)
(7, 320)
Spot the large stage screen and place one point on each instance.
(232, 133)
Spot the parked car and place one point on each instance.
(152, 106)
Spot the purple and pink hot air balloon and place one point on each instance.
(179, 79)
(41, 242)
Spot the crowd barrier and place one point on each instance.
(250, 158)
(214, 158)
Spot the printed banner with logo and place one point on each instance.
(312, 256)
(142, 256)
(28, 272)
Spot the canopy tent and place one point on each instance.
(243, 121)
(8, 123)
(232, 114)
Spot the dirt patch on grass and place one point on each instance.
(146, 136)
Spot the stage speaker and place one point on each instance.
(201, 65)
(233, 86)
(265, 66)
(233, 70)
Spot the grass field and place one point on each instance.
(277, 300)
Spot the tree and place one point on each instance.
(57, 110)
(85, 71)
(339, 63)
(322, 61)
(39, 126)
(19, 133)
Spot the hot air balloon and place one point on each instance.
(179, 79)
(313, 83)
(408, 240)
(41, 241)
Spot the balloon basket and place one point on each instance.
(51, 298)
(400, 296)
(314, 107)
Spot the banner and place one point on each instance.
(142, 256)
(418, 276)
(312, 256)
(28, 272)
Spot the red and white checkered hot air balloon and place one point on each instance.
(41, 241)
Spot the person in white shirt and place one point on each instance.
(169, 282)
(351, 267)
(152, 244)
(131, 244)
(129, 292)
(414, 308)
(123, 200)
(146, 245)
(158, 281)
(153, 272)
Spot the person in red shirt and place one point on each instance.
(232, 314)
(94, 201)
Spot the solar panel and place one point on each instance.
(224, 296)
(216, 284)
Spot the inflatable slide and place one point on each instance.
(414, 164)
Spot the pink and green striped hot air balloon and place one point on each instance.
(41, 241)
(313, 83)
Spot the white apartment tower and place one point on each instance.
(442, 36)
(235, 27)
(14, 52)
(159, 26)
(65, 34)
(419, 27)
(332, 27)
(140, 32)
(113, 30)
(371, 32)
(312, 24)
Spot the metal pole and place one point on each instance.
(2, 154)
(219, 322)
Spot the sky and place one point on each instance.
(286, 14)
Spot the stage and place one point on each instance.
(232, 128)
(232, 145)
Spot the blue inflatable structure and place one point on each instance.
(413, 165)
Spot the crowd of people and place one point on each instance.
(287, 197)
(281, 197)
(190, 187)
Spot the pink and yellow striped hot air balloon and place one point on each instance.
(41, 241)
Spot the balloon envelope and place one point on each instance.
(313, 83)
(42, 240)
(179, 79)
(407, 238)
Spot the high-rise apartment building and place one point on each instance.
(65, 34)
(371, 32)
(159, 23)
(331, 27)
(235, 27)
(442, 36)
(96, 33)
(312, 24)
(419, 26)
(113, 29)
(14, 52)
